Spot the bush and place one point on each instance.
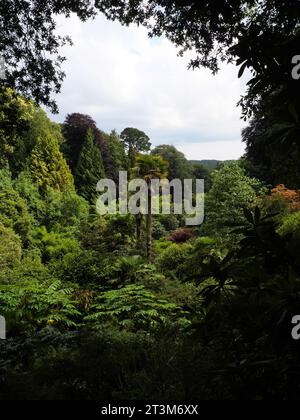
(291, 225)
(158, 230)
(53, 245)
(29, 267)
(65, 211)
(86, 268)
(181, 236)
(169, 221)
(291, 197)
(174, 260)
(113, 234)
(160, 246)
(290, 230)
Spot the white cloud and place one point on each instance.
(122, 78)
(219, 150)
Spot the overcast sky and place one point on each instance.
(121, 78)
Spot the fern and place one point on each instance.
(134, 308)
(32, 304)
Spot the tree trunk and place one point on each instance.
(149, 224)
(138, 219)
(131, 158)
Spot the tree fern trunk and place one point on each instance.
(149, 224)
(138, 219)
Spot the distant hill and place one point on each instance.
(211, 164)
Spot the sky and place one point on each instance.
(121, 78)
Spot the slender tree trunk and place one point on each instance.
(131, 158)
(138, 219)
(149, 224)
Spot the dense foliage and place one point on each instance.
(134, 307)
(86, 295)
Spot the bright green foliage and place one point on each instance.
(232, 191)
(31, 304)
(10, 247)
(290, 231)
(89, 170)
(291, 225)
(42, 126)
(185, 294)
(30, 267)
(184, 261)
(149, 276)
(133, 308)
(65, 211)
(22, 124)
(13, 210)
(29, 191)
(47, 166)
(16, 115)
(174, 260)
(6, 178)
(53, 245)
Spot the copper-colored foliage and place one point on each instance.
(292, 197)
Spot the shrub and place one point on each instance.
(181, 236)
(291, 197)
(86, 268)
(169, 221)
(291, 225)
(29, 267)
(160, 246)
(174, 260)
(65, 211)
(109, 234)
(158, 230)
(53, 245)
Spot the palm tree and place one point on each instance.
(150, 167)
